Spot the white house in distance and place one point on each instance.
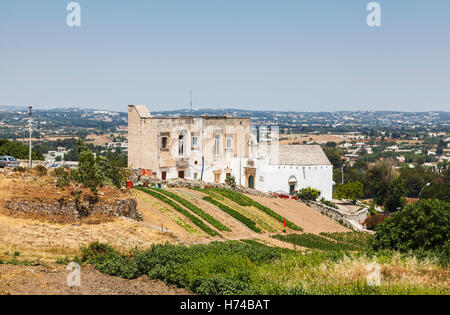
(210, 148)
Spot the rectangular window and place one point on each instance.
(229, 143)
(164, 143)
(181, 145)
(195, 142)
(217, 145)
(195, 176)
(181, 174)
(163, 175)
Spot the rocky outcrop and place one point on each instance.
(77, 209)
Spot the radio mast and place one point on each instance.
(190, 100)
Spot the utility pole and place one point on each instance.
(342, 171)
(30, 161)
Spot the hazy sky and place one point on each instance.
(316, 55)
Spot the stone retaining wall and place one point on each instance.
(186, 183)
(71, 208)
(336, 214)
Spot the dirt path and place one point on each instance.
(52, 280)
(309, 219)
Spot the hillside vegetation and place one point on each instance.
(254, 268)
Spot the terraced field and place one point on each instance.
(352, 241)
(206, 215)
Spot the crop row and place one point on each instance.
(180, 209)
(205, 216)
(314, 241)
(358, 239)
(247, 202)
(235, 214)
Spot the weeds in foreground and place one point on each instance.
(223, 268)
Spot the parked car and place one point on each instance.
(8, 161)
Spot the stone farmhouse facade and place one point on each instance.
(210, 148)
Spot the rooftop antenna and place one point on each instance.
(190, 100)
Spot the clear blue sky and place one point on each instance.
(316, 55)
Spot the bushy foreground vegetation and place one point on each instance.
(245, 201)
(180, 209)
(253, 268)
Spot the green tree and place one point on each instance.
(439, 191)
(90, 174)
(351, 191)
(422, 225)
(18, 150)
(377, 179)
(395, 197)
(335, 157)
(415, 179)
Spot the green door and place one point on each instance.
(291, 190)
(251, 182)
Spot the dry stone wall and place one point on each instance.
(71, 208)
(186, 183)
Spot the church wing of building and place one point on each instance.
(210, 148)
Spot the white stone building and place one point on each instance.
(211, 148)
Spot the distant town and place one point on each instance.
(410, 138)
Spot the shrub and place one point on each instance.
(41, 170)
(235, 214)
(92, 172)
(423, 225)
(329, 203)
(308, 194)
(231, 181)
(20, 169)
(371, 222)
